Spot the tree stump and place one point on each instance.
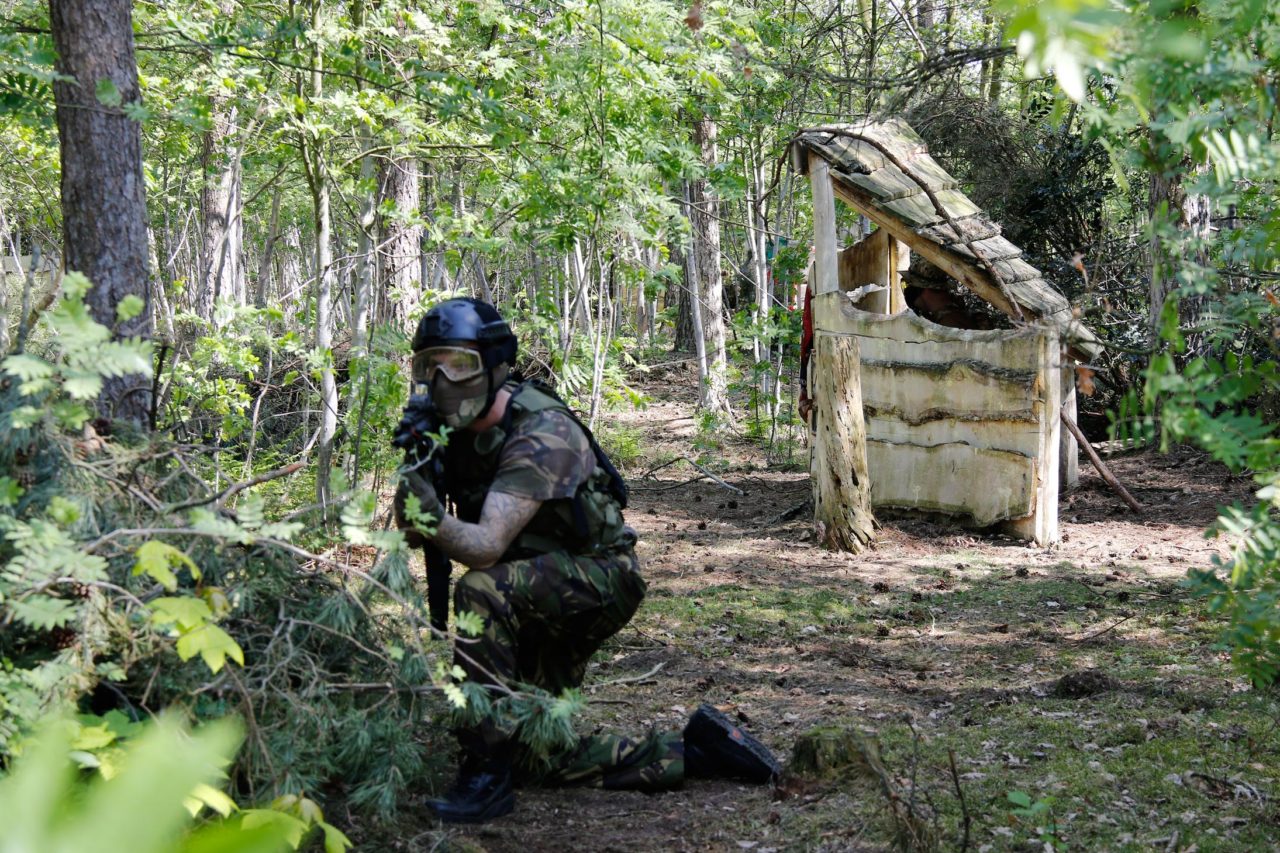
(832, 753)
(841, 485)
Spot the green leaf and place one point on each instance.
(75, 285)
(334, 840)
(469, 623)
(28, 367)
(186, 612)
(83, 386)
(93, 737)
(158, 559)
(213, 644)
(63, 511)
(42, 612)
(10, 491)
(25, 417)
(129, 307)
(107, 93)
(207, 795)
(289, 826)
(455, 695)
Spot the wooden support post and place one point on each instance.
(1042, 525)
(826, 274)
(1069, 461)
(841, 483)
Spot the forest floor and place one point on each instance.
(1082, 676)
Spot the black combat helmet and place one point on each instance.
(463, 321)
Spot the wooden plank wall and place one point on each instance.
(958, 421)
(876, 259)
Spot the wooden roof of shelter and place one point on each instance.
(884, 170)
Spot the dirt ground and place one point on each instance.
(940, 643)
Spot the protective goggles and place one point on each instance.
(458, 364)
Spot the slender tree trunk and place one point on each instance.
(219, 214)
(265, 265)
(162, 311)
(757, 230)
(1172, 205)
(291, 277)
(104, 208)
(997, 67)
(365, 262)
(693, 285)
(321, 189)
(683, 334)
(401, 242)
(705, 212)
(925, 15)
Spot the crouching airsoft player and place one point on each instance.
(552, 568)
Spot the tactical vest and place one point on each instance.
(589, 522)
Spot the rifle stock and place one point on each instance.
(438, 570)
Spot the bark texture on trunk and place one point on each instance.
(104, 208)
(1191, 214)
(841, 483)
(401, 243)
(704, 212)
(219, 243)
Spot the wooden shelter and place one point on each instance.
(959, 418)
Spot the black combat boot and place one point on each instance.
(716, 748)
(482, 791)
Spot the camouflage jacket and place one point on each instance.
(540, 452)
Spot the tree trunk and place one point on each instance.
(321, 189)
(291, 280)
(104, 208)
(925, 15)
(401, 242)
(757, 241)
(841, 484)
(704, 213)
(219, 248)
(692, 277)
(682, 335)
(1190, 214)
(265, 265)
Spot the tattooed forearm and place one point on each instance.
(480, 545)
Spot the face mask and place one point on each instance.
(459, 404)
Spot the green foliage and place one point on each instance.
(1246, 587)
(146, 798)
(1196, 88)
(623, 444)
(1038, 815)
(83, 355)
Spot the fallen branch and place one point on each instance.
(705, 473)
(669, 486)
(235, 488)
(1098, 463)
(1113, 625)
(632, 679)
(787, 515)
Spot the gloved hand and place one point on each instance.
(413, 483)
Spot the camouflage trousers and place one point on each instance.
(544, 617)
